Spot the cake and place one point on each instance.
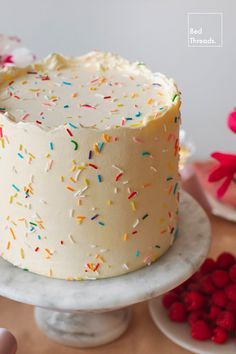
(89, 166)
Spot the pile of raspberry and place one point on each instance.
(207, 301)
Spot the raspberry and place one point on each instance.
(206, 285)
(200, 330)
(225, 260)
(231, 306)
(177, 312)
(231, 292)
(195, 316)
(226, 320)
(232, 273)
(214, 312)
(220, 278)
(207, 300)
(194, 278)
(208, 266)
(219, 336)
(219, 298)
(178, 290)
(168, 299)
(193, 286)
(181, 297)
(186, 282)
(194, 300)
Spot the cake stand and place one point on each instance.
(90, 313)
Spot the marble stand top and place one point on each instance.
(179, 263)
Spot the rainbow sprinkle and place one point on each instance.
(145, 153)
(132, 194)
(20, 155)
(75, 144)
(15, 187)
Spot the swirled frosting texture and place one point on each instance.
(89, 149)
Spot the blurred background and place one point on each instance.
(152, 31)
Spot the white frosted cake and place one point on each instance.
(89, 166)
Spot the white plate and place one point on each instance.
(222, 210)
(179, 333)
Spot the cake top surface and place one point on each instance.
(99, 90)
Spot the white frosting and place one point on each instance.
(99, 89)
(88, 202)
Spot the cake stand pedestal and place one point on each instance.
(90, 313)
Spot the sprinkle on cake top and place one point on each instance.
(100, 90)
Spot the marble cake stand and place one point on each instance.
(90, 313)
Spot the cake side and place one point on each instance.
(82, 202)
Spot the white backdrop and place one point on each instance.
(147, 30)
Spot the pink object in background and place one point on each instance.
(232, 121)
(12, 52)
(225, 171)
(195, 182)
(191, 185)
(8, 344)
(202, 170)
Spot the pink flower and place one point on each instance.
(232, 121)
(6, 59)
(12, 52)
(225, 171)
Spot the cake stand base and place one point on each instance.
(83, 329)
(90, 313)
